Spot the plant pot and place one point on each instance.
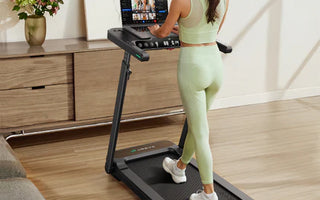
(35, 30)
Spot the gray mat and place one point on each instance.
(9, 164)
(19, 189)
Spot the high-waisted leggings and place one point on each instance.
(200, 72)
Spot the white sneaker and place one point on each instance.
(201, 195)
(170, 166)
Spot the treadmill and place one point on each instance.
(140, 167)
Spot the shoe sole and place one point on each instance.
(172, 176)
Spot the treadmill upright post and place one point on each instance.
(123, 79)
(183, 134)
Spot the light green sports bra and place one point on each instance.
(194, 28)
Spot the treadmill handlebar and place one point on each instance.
(115, 35)
(224, 48)
(141, 55)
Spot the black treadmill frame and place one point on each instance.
(118, 167)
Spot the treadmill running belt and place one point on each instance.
(161, 182)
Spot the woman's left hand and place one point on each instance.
(175, 30)
(153, 29)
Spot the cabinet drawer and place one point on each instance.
(27, 106)
(34, 71)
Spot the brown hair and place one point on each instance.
(212, 13)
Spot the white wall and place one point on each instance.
(276, 51)
(276, 46)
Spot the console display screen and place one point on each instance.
(143, 11)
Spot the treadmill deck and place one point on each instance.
(150, 170)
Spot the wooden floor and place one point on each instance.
(270, 151)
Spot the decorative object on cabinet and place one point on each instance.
(32, 11)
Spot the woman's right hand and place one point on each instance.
(175, 30)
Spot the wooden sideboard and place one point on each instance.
(72, 82)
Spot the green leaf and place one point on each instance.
(23, 15)
(17, 8)
(38, 12)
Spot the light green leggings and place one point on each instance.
(200, 72)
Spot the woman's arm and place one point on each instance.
(227, 6)
(172, 18)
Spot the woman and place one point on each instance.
(146, 6)
(199, 77)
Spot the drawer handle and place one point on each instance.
(38, 87)
(36, 56)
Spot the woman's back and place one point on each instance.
(194, 28)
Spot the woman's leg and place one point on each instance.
(194, 103)
(210, 96)
(188, 149)
(211, 92)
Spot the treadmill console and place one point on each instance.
(136, 46)
(158, 43)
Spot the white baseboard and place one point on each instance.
(265, 97)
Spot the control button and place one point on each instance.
(177, 43)
(146, 45)
(165, 43)
(140, 45)
(151, 44)
(157, 44)
(172, 43)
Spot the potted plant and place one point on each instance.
(32, 11)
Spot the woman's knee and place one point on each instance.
(201, 140)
